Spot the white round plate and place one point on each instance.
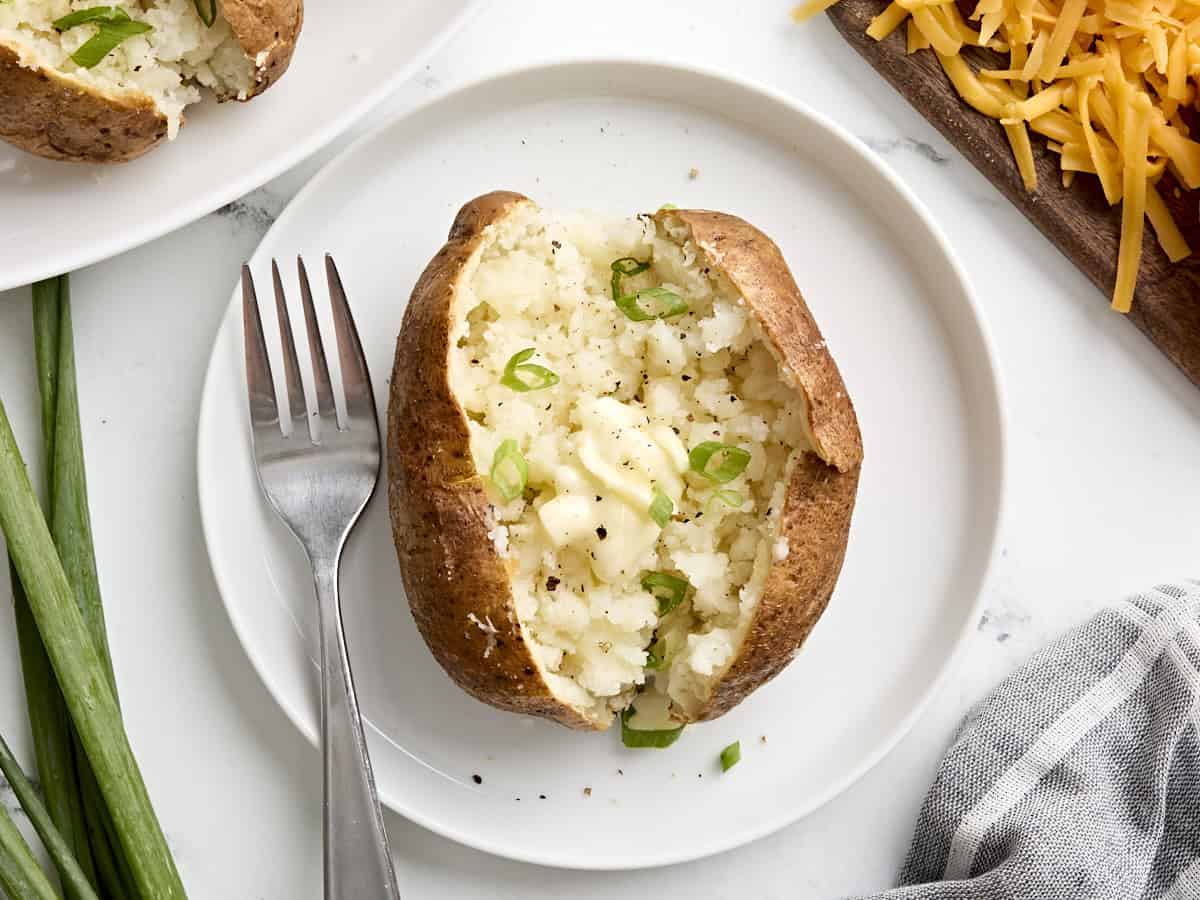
(339, 71)
(623, 137)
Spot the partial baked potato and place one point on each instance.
(622, 463)
(63, 95)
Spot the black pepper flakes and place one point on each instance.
(602, 532)
(478, 779)
(552, 583)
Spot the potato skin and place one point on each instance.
(440, 513)
(269, 27)
(820, 495)
(49, 115)
(441, 517)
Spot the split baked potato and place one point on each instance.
(86, 82)
(622, 463)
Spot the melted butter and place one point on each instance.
(606, 483)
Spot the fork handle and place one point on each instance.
(358, 865)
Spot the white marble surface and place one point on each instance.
(1105, 475)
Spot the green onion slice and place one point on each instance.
(661, 508)
(730, 462)
(113, 27)
(731, 756)
(726, 496)
(667, 206)
(668, 589)
(656, 654)
(635, 739)
(652, 303)
(626, 265)
(91, 14)
(207, 11)
(510, 472)
(542, 377)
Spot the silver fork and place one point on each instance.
(319, 476)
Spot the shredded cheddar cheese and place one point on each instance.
(1102, 81)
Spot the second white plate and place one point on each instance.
(625, 137)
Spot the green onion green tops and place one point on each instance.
(91, 14)
(540, 375)
(661, 508)
(113, 27)
(626, 265)
(652, 303)
(718, 462)
(635, 739)
(509, 472)
(731, 756)
(726, 496)
(668, 589)
(207, 11)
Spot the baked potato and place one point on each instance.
(622, 463)
(91, 83)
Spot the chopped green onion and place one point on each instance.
(652, 303)
(731, 461)
(731, 756)
(668, 589)
(726, 496)
(113, 26)
(626, 265)
(510, 472)
(544, 378)
(207, 11)
(637, 740)
(666, 206)
(661, 508)
(91, 14)
(104, 41)
(60, 852)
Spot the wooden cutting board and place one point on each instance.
(1076, 220)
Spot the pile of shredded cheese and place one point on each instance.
(1103, 80)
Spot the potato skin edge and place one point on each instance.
(265, 26)
(439, 511)
(821, 492)
(46, 114)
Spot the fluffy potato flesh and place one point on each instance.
(635, 401)
(168, 64)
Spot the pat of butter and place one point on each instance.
(628, 536)
(567, 518)
(626, 455)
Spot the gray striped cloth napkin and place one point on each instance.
(1078, 778)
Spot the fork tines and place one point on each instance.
(323, 420)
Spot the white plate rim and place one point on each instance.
(254, 177)
(989, 369)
